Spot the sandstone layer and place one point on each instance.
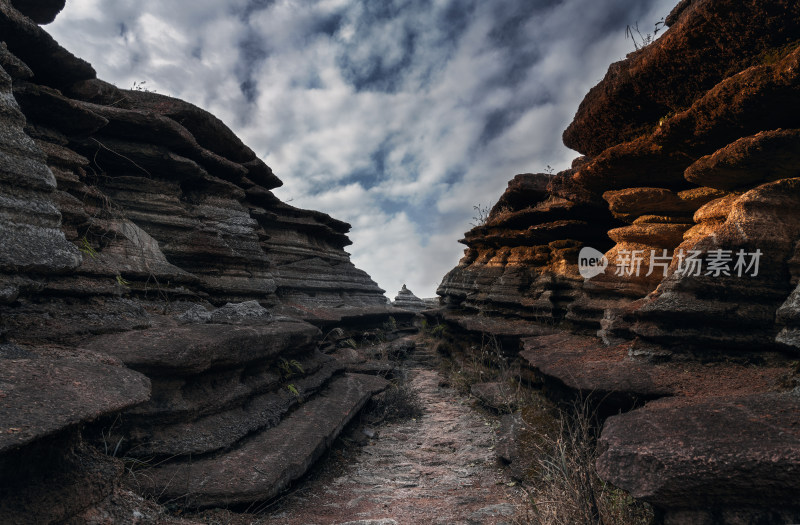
(406, 300)
(157, 301)
(689, 187)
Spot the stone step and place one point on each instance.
(264, 464)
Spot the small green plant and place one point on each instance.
(122, 281)
(373, 337)
(549, 169)
(665, 118)
(293, 389)
(501, 214)
(86, 247)
(333, 334)
(776, 54)
(289, 367)
(440, 330)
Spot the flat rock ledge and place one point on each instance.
(47, 472)
(732, 456)
(264, 464)
(40, 396)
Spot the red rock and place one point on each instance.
(522, 191)
(650, 234)
(627, 370)
(720, 309)
(764, 157)
(640, 162)
(710, 454)
(738, 107)
(652, 82)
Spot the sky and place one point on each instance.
(397, 116)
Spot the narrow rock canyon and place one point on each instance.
(178, 345)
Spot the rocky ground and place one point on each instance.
(438, 468)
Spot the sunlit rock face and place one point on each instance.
(690, 186)
(151, 283)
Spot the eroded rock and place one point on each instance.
(693, 453)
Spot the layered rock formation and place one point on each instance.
(153, 288)
(406, 300)
(689, 186)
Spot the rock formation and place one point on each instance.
(408, 301)
(689, 186)
(157, 301)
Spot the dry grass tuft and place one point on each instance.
(565, 486)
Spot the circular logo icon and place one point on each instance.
(591, 262)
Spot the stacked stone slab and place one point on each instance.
(157, 300)
(162, 198)
(522, 262)
(690, 148)
(406, 300)
(218, 388)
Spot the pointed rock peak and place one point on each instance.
(407, 300)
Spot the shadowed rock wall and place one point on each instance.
(153, 287)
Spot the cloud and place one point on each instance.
(396, 116)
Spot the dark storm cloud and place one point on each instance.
(398, 116)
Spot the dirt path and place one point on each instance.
(438, 469)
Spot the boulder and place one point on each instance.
(692, 453)
(238, 313)
(630, 373)
(188, 350)
(47, 396)
(42, 396)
